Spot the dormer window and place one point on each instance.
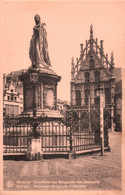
(92, 63)
(87, 79)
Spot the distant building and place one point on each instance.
(13, 95)
(118, 99)
(93, 70)
(12, 100)
(62, 105)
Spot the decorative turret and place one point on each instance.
(72, 69)
(91, 32)
(107, 56)
(91, 38)
(96, 46)
(72, 63)
(77, 62)
(4, 80)
(86, 47)
(101, 51)
(112, 59)
(101, 46)
(107, 60)
(81, 53)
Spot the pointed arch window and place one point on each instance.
(78, 98)
(107, 96)
(97, 76)
(87, 77)
(97, 98)
(87, 94)
(92, 63)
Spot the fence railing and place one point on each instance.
(56, 135)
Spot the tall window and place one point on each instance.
(78, 98)
(87, 93)
(92, 63)
(87, 77)
(107, 96)
(11, 98)
(97, 76)
(97, 101)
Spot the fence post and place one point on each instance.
(71, 154)
(71, 140)
(89, 112)
(102, 123)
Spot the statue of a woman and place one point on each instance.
(38, 45)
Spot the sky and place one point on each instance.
(67, 25)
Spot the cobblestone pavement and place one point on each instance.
(87, 172)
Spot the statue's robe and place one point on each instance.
(39, 48)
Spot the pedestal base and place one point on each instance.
(34, 156)
(72, 155)
(34, 149)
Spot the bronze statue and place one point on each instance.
(38, 45)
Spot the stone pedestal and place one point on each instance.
(34, 149)
(40, 84)
(72, 155)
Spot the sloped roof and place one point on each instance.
(16, 73)
(63, 102)
(117, 74)
(19, 72)
(118, 89)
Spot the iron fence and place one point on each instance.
(15, 138)
(80, 132)
(54, 137)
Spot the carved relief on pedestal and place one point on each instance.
(38, 96)
(28, 98)
(49, 97)
(34, 77)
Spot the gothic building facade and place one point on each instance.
(93, 70)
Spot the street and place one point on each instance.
(87, 172)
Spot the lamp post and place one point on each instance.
(34, 146)
(89, 110)
(34, 79)
(99, 92)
